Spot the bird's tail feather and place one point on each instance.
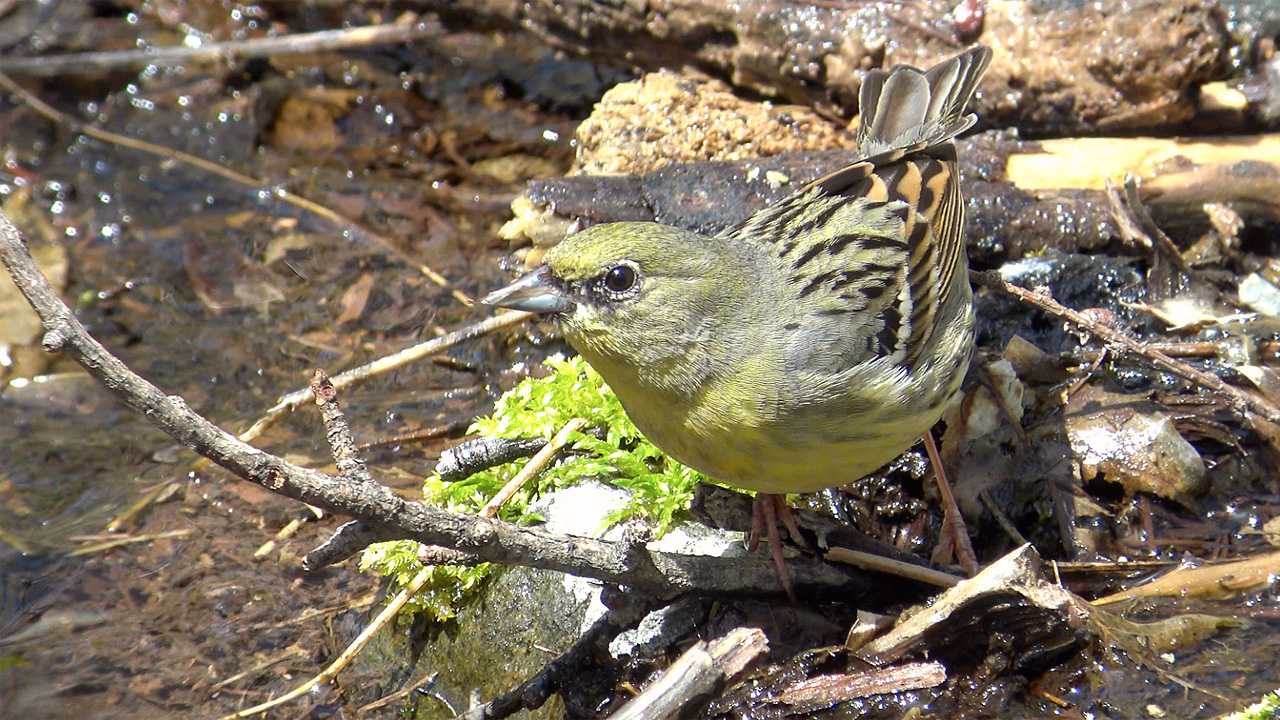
(905, 107)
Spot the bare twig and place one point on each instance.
(400, 694)
(126, 516)
(1242, 400)
(889, 566)
(481, 453)
(1086, 567)
(323, 41)
(1137, 225)
(290, 529)
(240, 178)
(531, 468)
(1084, 375)
(825, 691)
(337, 432)
(293, 400)
(349, 539)
(127, 540)
(1215, 580)
(1001, 519)
(287, 654)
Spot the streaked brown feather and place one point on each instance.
(871, 251)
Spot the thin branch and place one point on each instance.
(293, 400)
(323, 41)
(532, 468)
(152, 494)
(660, 573)
(286, 655)
(1001, 519)
(298, 201)
(350, 538)
(1136, 224)
(337, 432)
(889, 566)
(481, 453)
(400, 694)
(824, 691)
(128, 540)
(1242, 400)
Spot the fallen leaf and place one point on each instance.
(355, 299)
(19, 324)
(224, 279)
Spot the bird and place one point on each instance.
(808, 345)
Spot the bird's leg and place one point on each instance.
(757, 523)
(952, 519)
(777, 505)
(764, 512)
(789, 520)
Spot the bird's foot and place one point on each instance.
(766, 511)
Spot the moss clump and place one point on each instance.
(614, 451)
(1268, 708)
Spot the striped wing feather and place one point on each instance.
(869, 252)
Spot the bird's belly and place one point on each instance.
(783, 457)
(750, 434)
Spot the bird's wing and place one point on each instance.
(867, 255)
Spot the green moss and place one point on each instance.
(660, 487)
(1267, 708)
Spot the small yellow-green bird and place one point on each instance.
(810, 344)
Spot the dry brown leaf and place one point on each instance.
(355, 299)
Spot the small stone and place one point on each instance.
(776, 179)
(1259, 295)
(667, 117)
(1131, 441)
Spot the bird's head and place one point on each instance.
(635, 296)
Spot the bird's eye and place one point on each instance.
(620, 278)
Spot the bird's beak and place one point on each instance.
(537, 292)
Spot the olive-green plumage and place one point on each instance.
(810, 344)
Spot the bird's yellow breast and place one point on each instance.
(746, 431)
